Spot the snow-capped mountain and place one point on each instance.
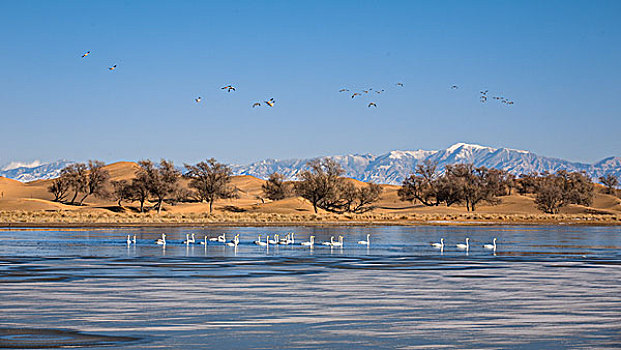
(33, 171)
(394, 166)
(388, 168)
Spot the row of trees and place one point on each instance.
(459, 183)
(154, 183)
(323, 185)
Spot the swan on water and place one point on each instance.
(367, 242)
(134, 239)
(310, 243)
(259, 242)
(273, 241)
(161, 241)
(203, 242)
(189, 240)
(439, 245)
(234, 242)
(464, 246)
(339, 243)
(491, 246)
(129, 241)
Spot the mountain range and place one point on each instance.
(388, 168)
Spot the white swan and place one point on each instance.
(438, 245)
(339, 243)
(189, 240)
(464, 246)
(259, 242)
(161, 241)
(491, 246)
(234, 242)
(310, 243)
(203, 242)
(129, 241)
(272, 241)
(329, 243)
(367, 242)
(134, 239)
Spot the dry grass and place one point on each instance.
(106, 218)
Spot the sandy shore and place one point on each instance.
(103, 219)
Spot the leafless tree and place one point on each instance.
(555, 191)
(59, 188)
(211, 180)
(138, 190)
(422, 186)
(321, 184)
(121, 190)
(275, 188)
(161, 180)
(95, 180)
(477, 184)
(611, 182)
(76, 176)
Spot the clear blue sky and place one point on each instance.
(558, 60)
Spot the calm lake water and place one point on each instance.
(545, 287)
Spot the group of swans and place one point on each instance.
(463, 246)
(131, 240)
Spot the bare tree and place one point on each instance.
(365, 198)
(549, 196)
(161, 180)
(424, 186)
(477, 184)
(59, 188)
(611, 182)
(75, 175)
(275, 188)
(95, 180)
(320, 185)
(211, 180)
(138, 190)
(121, 190)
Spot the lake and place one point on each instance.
(544, 287)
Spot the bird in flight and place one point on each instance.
(372, 104)
(228, 88)
(256, 104)
(343, 90)
(454, 87)
(86, 54)
(270, 102)
(365, 91)
(355, 94)
(399, 84)
(484, 92)
(379, 91)
(112, 68)
(198, 99)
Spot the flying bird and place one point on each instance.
(270, 102)
(365, 91)
(454, 87)
(256, 104)
(399, 84)
(484, 92)
(372, 104)
(343, 90)
(112, 68)
(356, 94)
(198, 99)
(86, 54)
(379, 91)
(228, 88)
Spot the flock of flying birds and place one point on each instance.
(270, 103)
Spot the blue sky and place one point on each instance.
(558, 60)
